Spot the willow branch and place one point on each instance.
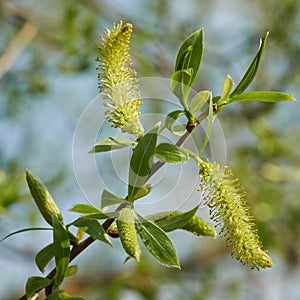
(77, 249)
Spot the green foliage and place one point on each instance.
(157, 243)
(110, 144)
(222, 193)
(141, 163)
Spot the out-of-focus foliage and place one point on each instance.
(263, 149)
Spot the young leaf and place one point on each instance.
(227, 88)
(34, 284)
(85, 209)
(178, 86)
(141, 162)
(253, 68)
(170, 120)
(263, 97)
(111, 143)
(61, 246)
(190, 56)
(72, 270)
(172, 220)
(109, 199)
(171, 153)
(198, 101)
(157, 243)
(93, 228)
(142, 192)
(210, 118)
(44, 256)
(59, 294)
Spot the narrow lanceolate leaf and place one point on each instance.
(199, 101)
(44, 256)
(170, 120)
(59, 294)
(187, 65)
(263, 97)
(84, 208)
(190, 55)
(112, 143)
(127, 232)
(171, 153)
(172, 220)
(109, 199)
(35, 284)
(141, 162)
(93, 228)
(157, 243)
(252, 70)
(61, 246)
(24, 230)
(42, 198)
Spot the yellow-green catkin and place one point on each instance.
(199, 227)
(117, 80)
(169, 221)
(127, 232)
(42, 198)
(228, 207)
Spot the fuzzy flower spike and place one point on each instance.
(117, 80)
(228, 207)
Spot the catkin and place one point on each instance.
(42, 198)
(169, 221)
(127, 233)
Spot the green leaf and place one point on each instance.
(210, 118)
(44, 256)
(109, 199)
(141, 162)
(253, 68)
(24, 230)
(172, 220)
(100, 216)
(157, 242)
(170, 120)
(93, 228)
(263, 97)
(171, 153)
(178, 86)
(190, 56)
(85, 209)
(111, 143)
(227, 88)
(198, 101)
(72, 270)
(61, 248)
(142, 192)
(59, 294)
(35, 284)
(187, 65)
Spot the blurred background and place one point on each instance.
(47, 78)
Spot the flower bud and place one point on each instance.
(42, 198)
